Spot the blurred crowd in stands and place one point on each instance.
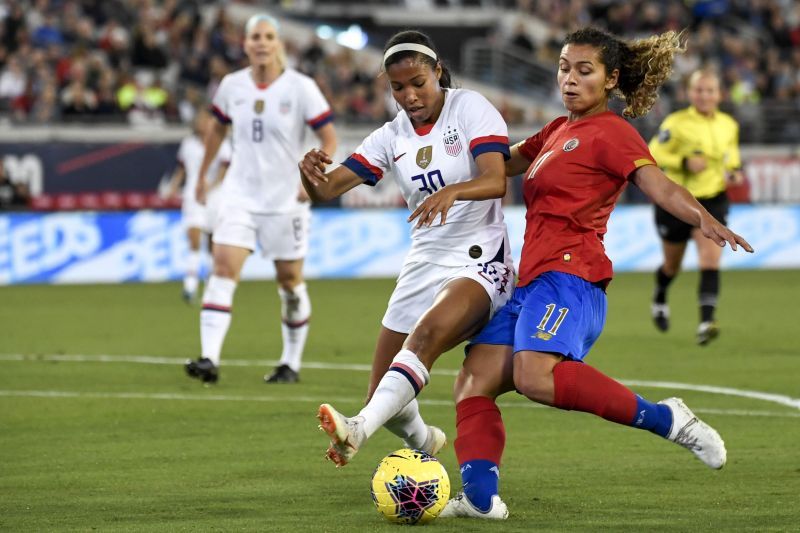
(147, 61)
(144, 61)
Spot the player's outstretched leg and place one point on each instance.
(400, 385)
(580, 387)
(695, 435)
(346, 434)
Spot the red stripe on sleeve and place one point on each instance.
(369, 166)
(320, 119)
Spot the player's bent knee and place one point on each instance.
(533, 387)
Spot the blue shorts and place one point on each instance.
(557, 312)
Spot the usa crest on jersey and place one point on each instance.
(452, 142)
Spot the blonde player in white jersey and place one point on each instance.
(198, 219)
(268, 108)
(446, 148)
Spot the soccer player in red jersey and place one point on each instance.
(577, 166)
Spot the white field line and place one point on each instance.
(307, 399)
(779, 399)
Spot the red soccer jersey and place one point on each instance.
(579, 170)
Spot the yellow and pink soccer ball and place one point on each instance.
(410, 487)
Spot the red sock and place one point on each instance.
(580, 387)
(479, 429)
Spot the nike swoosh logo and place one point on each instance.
(399, 156)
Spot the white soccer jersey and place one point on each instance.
(268, 128)
(190, 155)
(425, 160)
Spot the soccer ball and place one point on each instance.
(410, 487)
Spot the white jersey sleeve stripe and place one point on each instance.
(222, 117)
(364, 169)
(319, 121)
(490, 143)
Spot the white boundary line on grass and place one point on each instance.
(779, 399)
(308, 399)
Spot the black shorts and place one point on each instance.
(675, 230)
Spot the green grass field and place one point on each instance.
(101, 430)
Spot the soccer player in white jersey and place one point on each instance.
(268, 108)
(198, 219)
(446, 148)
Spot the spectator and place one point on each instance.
(522, 41)
(12, 81)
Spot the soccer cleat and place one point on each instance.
(706, 332)
(434, 442)
(695, 435)
(282, 374)
(189, 297)
(660, 313)
(460, 507)
(202, 369)
(347, 434)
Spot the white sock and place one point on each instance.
(402, 382)
(295, 314)
(192, 278)
(409, 426)
(215, 318)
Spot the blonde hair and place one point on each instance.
(644, 64)
(253, 21)
(705, 72)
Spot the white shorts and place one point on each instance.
(419, 283)
(195, 215)
(282, 237)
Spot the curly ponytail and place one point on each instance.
(643, 64)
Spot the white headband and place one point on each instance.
(409, 47)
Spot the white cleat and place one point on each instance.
(347, 434)
(435, 441)
(460, 507)
(695, 435)
(707, 332)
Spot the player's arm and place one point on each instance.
(680, 203)
(223, 168)
(178, 177)
(322, 186)
(490, 183)
(517, 163)
(327, 138)
(213, 140)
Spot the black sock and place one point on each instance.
(708, 293)
(662, 283)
